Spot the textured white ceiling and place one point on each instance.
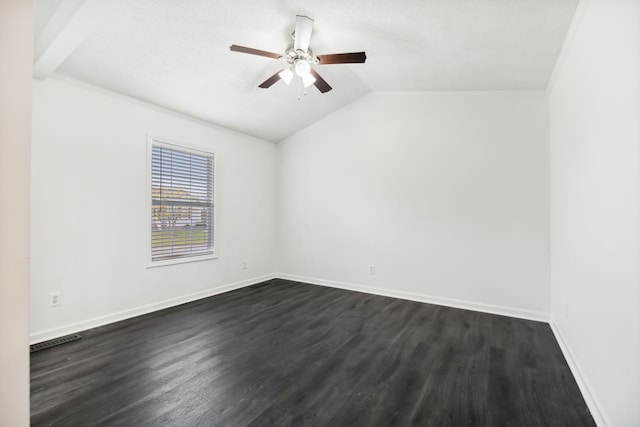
(175, 53)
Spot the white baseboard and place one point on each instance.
(584, 385)
(448, 302)
(94, 322)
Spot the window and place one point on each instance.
(182, 203)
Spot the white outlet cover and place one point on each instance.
(54, 299)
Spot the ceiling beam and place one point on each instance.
(71, 23)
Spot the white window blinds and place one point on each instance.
(182, 202)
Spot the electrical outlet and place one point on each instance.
(372, 269)
(244, 265)
(54, 299)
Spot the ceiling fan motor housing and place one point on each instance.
(293, 56)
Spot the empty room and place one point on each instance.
(336, 213)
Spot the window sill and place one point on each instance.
(166, 262)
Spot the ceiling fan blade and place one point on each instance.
(342, 58)
(304, 26)
(271, 80)
(242, 49)
(320, 83)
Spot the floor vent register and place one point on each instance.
(54, 342)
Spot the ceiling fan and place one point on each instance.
(299, 58)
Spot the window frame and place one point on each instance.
(198, 149)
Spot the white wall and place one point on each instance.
(445, 193)
(15, 138)
(594, 104)
(89, 209)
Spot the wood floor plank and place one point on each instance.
(287, 353)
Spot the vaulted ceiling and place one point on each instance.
(175, 53)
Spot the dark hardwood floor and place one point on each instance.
(295, 354)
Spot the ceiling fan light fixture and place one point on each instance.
(286, 75)
(302, 68)
(308, 80)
